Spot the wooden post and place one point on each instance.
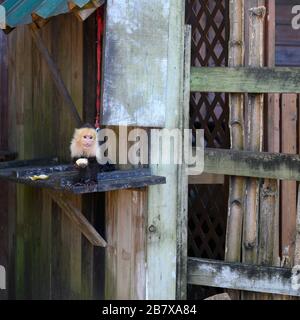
(236, 104)
(4, 188)
(164, 202)
(254, 140)
(268, 242)
(182, 212)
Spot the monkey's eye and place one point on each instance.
(91, 137)
(85, 137)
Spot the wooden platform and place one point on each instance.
(62, 177)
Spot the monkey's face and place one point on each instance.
(87, 141)
(86, 138)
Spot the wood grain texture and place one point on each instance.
(288, 188)
(252, 164)
(45, 247)
(164, 201)
(78, 218)
(126, 214)
(133, 47)
(4, 188)
(183, 180)
(241, 276)
(245, 80)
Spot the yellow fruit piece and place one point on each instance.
(40, 177)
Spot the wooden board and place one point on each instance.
(252, 164)
(4, 216)
(136, 63)
(245, 80)
(241, 276)
(63, 178)
(165, 201)
(289, 133)
(126, 213)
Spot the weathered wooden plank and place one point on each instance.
(183, 180)
(131, 47)
(245, 80)
(4, 188)
(252, 164)
(56, 75)
(125, 267)
(254, 136)
(78, 218)
(241, 277)
(165, 199)
(236, 124)
(289, 133)
(25, 163)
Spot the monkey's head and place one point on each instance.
(84, 142)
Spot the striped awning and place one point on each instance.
(19, 12)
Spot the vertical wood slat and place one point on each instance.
(268, 242)
(254, 136)
(182, 211)
(4, 188)
(236, 104)
(125, 252)
(288, 188)
(236, 206)
(163, 200)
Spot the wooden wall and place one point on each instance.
(49, 258)
(287, 39)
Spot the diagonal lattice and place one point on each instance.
(209, 111)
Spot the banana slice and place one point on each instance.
(39, 177)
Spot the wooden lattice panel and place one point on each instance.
(208, 111)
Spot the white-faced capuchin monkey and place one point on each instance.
(83, 153)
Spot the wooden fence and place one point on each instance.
(255, 273)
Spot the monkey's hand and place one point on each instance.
(82, 163)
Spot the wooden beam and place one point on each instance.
(56, 76)
(252, 164)
(245, 80)
(234, 227)
(78, 218)
(182, 183)
(165, 199)
(239, 276)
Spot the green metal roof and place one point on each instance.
(20, 12)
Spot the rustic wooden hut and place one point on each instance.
(150, 233)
